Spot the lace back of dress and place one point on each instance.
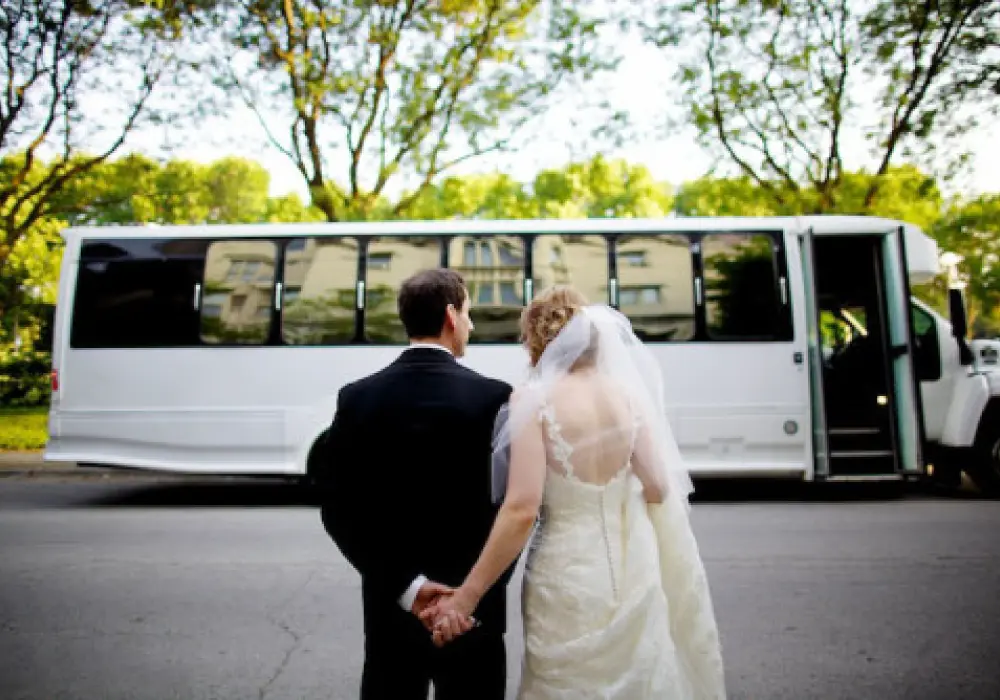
(590, 432)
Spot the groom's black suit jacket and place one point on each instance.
(405, 479)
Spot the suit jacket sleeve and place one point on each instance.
(353, 514)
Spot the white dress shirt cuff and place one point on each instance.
(406, 600)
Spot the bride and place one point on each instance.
(615, 600)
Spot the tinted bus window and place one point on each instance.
(580, 261)
(656, 286)
(137, 293)
(319, 296)
(741, 287)
(238, 292)
(493, 268)
(391, 260)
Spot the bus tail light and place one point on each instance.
(55, 380)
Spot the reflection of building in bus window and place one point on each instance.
(656, 285)
(580, 261)
(239, 280)
(391, 260)
(319, 291)
(493, 268)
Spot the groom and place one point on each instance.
(405, 494)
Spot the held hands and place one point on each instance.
(449, 616)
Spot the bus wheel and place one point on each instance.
(985, 469)
(308, 481)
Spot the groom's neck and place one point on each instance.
(440, 341)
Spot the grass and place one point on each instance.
(23, 429)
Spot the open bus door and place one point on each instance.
(906, 384)
(814, 346)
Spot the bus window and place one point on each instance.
(656, 286)
(741, 287)
(391, 260)
(137, 294)
(319, 291)
(493, 268)
(581, 261)
(238, 292)
(927, 349)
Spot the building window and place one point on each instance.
(632, 258)
(379, 261)
(485, 295)
(509, 294)
(639, 296)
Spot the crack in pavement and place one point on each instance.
(286, 628)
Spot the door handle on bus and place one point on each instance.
(196, 302)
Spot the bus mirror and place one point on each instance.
(956, 309)
(959, 325)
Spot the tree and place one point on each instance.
(600, 188)
(60, 59)
(972, 229)
(739, 196)
(903, 193)
(777, 88)
(490, 196)
(400, 87)
(597, 188)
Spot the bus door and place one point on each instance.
(862, 390)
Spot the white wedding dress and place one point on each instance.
(615, 599)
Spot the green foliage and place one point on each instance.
(130, 190)
(597, 188)
(402, 88)
(903, 193)
(734, 285)
(24, 378)
(774, 89)
(972, 229)
(23, 430)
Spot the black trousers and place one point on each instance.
(401, 662)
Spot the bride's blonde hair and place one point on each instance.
(546, 315)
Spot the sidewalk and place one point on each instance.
(31, 463)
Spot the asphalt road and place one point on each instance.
(143, 590)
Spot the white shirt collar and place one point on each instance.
(435, 346)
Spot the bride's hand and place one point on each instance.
(452, 617)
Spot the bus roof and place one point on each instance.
(821, 225)
(922, 251)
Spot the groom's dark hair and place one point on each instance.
(424, 299)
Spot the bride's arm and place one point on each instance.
(647, 467)
(513, 524)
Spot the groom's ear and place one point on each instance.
(450, 317)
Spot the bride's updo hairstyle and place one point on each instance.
(546, 315)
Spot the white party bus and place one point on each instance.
(790, 347)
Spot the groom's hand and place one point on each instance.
(429, 594)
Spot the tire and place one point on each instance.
(985, 468)
(309, 481)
